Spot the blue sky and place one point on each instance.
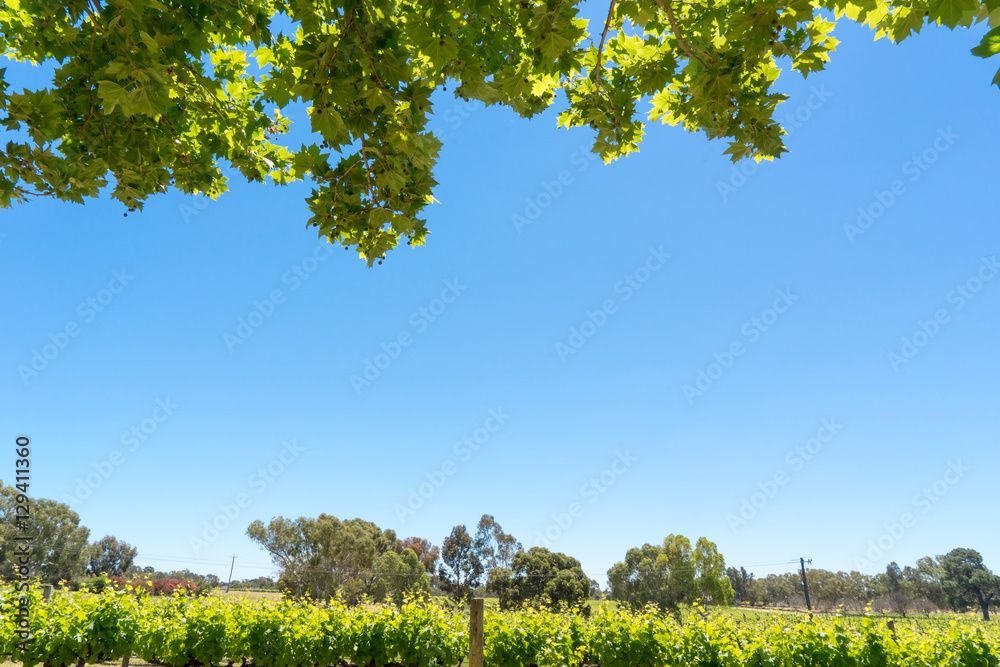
(810, 441)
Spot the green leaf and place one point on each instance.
(951, 12)
(112, 95)
(990, 45)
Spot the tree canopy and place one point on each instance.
(968, 582)
(153, 94)
(58, 549)
(671, 575)
(398, 575)
(539, 577)
(110, 556)
(461, 565)
(325, 556)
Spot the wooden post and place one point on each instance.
(476, 633)
(46, 592)
(125, 660)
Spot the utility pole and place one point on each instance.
(805, 584)
(230, 582)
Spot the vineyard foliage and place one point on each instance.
(184, 631)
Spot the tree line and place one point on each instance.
(956, 581)
(61, 550)
(355, 560)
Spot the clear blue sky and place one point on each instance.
(776, 239)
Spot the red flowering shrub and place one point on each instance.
(169, 586)
(155, 587)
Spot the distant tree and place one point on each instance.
(742, 584)
(967, 581)
(858, 587)
(671, 575)
(778, 589)
(263, 583)
(58, 550)
(109, 556)
(398, 575)
(495, 547)
(323, 556)
(711, 583)
(461, 568)
(539, 577)
(894, 589)
(426, 552)
(595, 590)
(663, 576)
(925, 581)
(210, 580)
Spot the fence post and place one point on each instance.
(125, 660)
(476, 633)
(46, 592)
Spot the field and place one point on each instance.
(256, 630)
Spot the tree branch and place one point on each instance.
(600, 49)
(677, 32)
(93, 18)
(368, 171)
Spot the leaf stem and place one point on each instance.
(600, 49)
(677, 32)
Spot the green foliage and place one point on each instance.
(58, 549)
(671, 575)
(95, 584)
(323, 556)
(495, 547)
(71, 627)
(398, 576)
(181, 631)
(461, 564)
(968, 582)
(153, 94)
(426, 552)
(541, 578)
(209, 632)
(111, 557)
